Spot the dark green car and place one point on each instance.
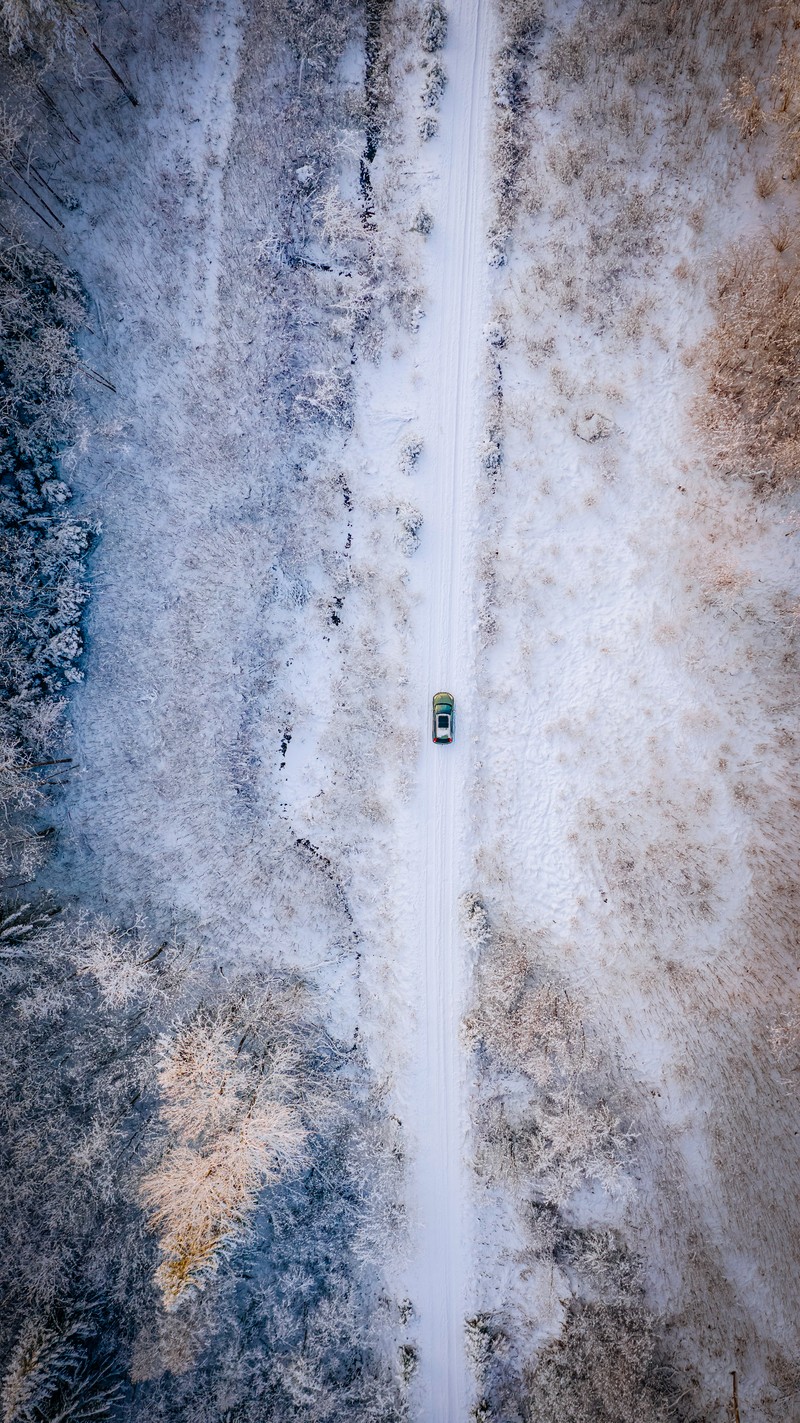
(444, 718)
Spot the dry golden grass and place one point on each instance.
(781, 233)
(743, 104)
(766, 182)
(784, 112)
(751, 409)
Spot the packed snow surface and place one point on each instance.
(449, 367)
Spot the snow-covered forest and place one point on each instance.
(353, 350)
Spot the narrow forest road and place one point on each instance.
(450, 364)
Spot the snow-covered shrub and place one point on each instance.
(743, 105)
(521, 21)
(409, 1361)
(567, 159)
(784, 111)
(410, 522)
(434, 85)
(410, 453)
(51, 27)
(328, 395)
(485, 1339)
(785, 1042)
(545, 1132)
(608, 1362)
(568, 55)
(337, 276)
(560, 1132)
(491, 454)
(781, 233)
(423, 222)
(428, 127)
(404, 299)
(434, 27)
(475, 922)
(591, 426)
(607, 1365)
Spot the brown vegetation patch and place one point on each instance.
(605, 1366)
(751, 409)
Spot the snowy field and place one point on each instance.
(421, 361)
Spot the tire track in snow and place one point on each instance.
(451, 364)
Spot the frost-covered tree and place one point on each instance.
(59, 1373)
(42, 580)
(41, 307)
(246, 1129)
(223, 1080)
(51, 27)
(434, 27)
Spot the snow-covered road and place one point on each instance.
(450, 365)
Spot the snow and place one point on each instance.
(450, 371)
(629, 597)
(270, 622)
(176, 719)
